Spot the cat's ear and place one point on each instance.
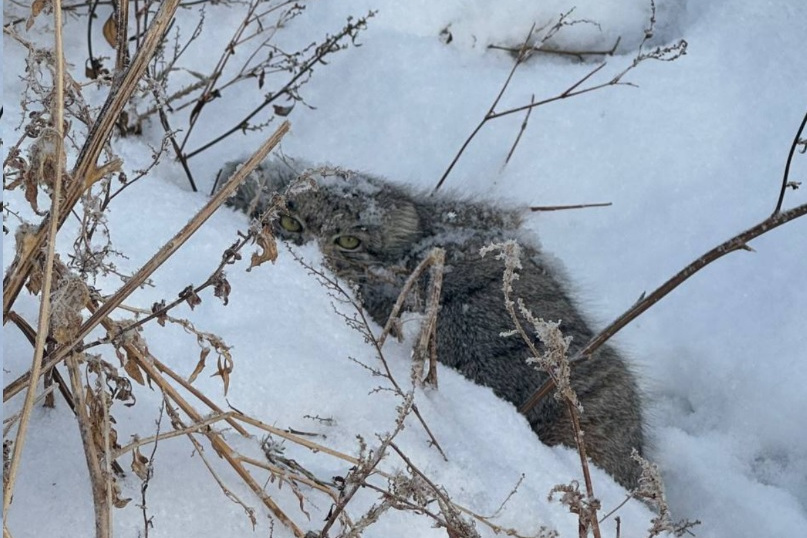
(401, 227)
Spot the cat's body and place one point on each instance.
(374, 234)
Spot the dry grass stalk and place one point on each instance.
(219, 445)
(555, 363)
(177, 423)
(99, 482)
(156, 261)
(58, 159)
(86, 172)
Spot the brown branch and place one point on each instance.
(785, 179)
(522, 54)
(560, 52)
(520, 132)
(564, 207)
(738, 242)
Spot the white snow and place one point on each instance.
(690, 157)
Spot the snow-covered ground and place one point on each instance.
(690, 157)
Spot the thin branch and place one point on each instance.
(785, 179)
(519, 59)
(738, 242)
(572, 206)
(520, 132)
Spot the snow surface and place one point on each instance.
(690, 157)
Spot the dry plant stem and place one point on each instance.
(521, 55)
(564, 207)
(367, 468)
(378, 342)
(427, 262)
(219, 445)
(86, 172)
(107, 482)
(44, 305)
(122, 34)
(98, 480)
(6, 533)
(427, 341)
(738, 242)
(217, 71)
(177, 423)
(30, 334)
(576, 53)
(573, 415)
(198, 394)
(302, 441)
(787, 164)
(168, 435)
(283, 474)
(9, 421)
(158, 259)
(520, 131)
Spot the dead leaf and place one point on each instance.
(131, 367)
(36, 8)
(190, 296)
(199, 365)
(224, 368)
(222, 288)
(283, 111)
(268, 248)
(140, 465)
(163, 317)
(110, 31)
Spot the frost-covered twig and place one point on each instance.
(362, 324)
(786, 183)
(555, 363)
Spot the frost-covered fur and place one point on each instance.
(396, 228)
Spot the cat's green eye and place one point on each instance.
(290, 224)
(348, 242)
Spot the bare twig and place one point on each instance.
(522, 54)
(668, 53)
(565, 207)
(786, 178)
(738, 242)
(561, 52)
(520, 131)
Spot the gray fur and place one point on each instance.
(397, 228)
